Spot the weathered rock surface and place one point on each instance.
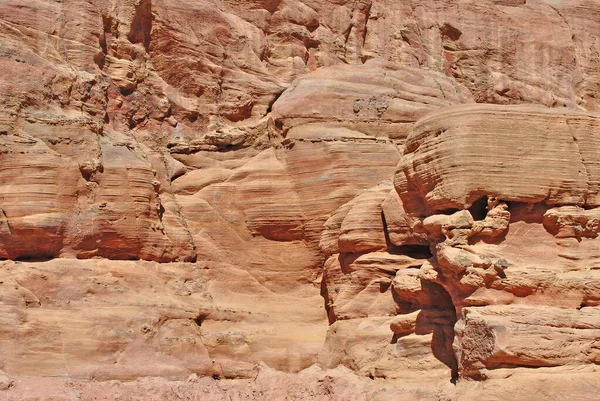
(380, 99)
(507, 260)
(107, 320)
(316, 199)
(5, 381)
(526, 154)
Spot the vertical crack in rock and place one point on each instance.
(181, 218)
(560, 15)
(364, 30)
(582, 160)
(443, 321)
(347, 38)
(141, 25)
(5, 220)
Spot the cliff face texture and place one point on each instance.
(308, 200)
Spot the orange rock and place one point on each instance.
(197, 191)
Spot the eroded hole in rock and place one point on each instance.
(479, 208)
(127, 92)
(587, 303)
(414, 251)
(200, 319)
(193, 117)
(447, 212)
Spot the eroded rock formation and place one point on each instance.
(316, 199)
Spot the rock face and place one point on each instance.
(316, 199)
(526, 154)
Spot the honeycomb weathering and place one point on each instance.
(316, 199)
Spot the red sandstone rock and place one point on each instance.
(223, 169)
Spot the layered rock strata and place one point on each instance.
(307, 199)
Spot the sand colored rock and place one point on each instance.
(5, 381)
(392, 96)
(316, 199)
(572, 222)
(503, 292)
(359, 285)
(513, 144)
(504, 336)
(173, 315)
(401, 228)
(81, 209)
(357, 226)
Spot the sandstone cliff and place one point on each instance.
(316, 199)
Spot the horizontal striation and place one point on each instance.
(515, 153)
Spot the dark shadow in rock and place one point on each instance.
(439, 318)
(141, 26)
(346, 259)
(527, 212)
(479, 208)
(414, 251)
(450, 32)
(331, 318)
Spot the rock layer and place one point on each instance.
(525, 154)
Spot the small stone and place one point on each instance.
(5, 381)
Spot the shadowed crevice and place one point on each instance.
(141, 26)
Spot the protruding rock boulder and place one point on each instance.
(514, 153)
(5, 381)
